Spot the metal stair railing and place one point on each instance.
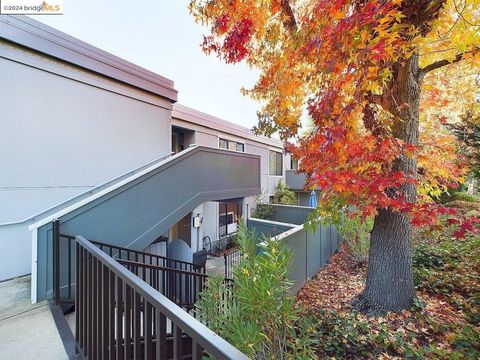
(119, 315)
(65, 259)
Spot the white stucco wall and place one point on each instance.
(208, 130)
(62, 131)
(269, 182)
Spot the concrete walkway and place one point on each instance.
(27, 331)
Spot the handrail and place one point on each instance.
(200, 334)
(143, 253)
(155, 256)
(165, 268)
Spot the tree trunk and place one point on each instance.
(389, 285)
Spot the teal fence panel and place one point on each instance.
(267, 228)
(297, 243)
(291, 214)
(314, 251)
(311, 250)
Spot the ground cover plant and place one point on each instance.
(444, 322)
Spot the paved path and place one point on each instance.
(27, 331)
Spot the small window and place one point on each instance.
(231, 145)
(294, 164)
(276, 163)
(240, 147)
(223, 144)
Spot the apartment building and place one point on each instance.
(78, 123)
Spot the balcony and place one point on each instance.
(294, 180)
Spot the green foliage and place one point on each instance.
(260, 318)
(263, 210)
(451, 268)
(457, 196)
(463, 196)
(284, 196)
(356, 233)
(231, 241)
(214, 303)
(352, 336)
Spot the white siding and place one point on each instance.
(61, 136)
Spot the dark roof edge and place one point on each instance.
(37, 36)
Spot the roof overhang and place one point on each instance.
(193, 116)
(34, 35)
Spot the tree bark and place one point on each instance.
(389, 285)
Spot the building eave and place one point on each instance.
(34, 35)
(184, 113)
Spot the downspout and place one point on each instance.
(33, 280)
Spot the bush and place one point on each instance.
(457, 196)
(258, 315)
(463, 196)
(356, 233)
(284, 196)
(264, 211)
(465, 207)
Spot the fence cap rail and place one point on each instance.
(272, 222)
(210, 341)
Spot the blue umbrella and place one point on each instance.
(312, 201)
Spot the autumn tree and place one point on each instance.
(367, 72)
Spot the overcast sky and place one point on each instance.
(163, 37)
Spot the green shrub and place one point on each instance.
(463, 196)
(457, 196)
(284, 196)
(356, 233)
(264, 211)
(258, 316)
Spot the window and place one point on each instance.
(240, 147)
(231, 145)
(294, 164)
(223, 144)
(276, 166)
(228, 216)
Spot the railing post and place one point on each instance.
(225, 268)
(56, 261)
